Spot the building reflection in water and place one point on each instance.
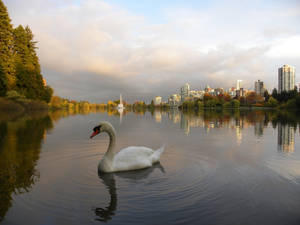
(184, 124)
(237, 122)
(157, 116)
(286, 138)
(258, 128)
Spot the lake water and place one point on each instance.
(219, 167)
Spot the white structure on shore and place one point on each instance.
(120, 106)
(157, 100)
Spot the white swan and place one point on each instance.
(130, 158)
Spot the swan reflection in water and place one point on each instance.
(106, 214)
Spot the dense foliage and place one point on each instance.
(19, 64)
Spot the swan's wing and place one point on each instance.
(133, 157)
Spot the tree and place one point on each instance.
(152, 103)
(275, 93)
(253, 98)
(7, 73)
(266, 95)
(28, 72)
(3, 82)
(272, 102)
(235, 103)
(48, 92)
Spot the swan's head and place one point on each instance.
(103, 126)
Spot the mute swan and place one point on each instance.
(130, 158)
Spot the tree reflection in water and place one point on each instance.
(106, 214)
(20, 144)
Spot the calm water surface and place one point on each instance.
(230, 167)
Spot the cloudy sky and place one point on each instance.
(96, 49)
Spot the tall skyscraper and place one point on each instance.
(286, 78)
(259, 87)
(238, 84)
(185, 92)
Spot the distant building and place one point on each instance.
(207, 89)
(240, 93)
(286, 78)
(185, 92)
(196, 94)
(232, 91)
(174, 100)
(238, 84)
(218, 91)
(157, 100)
(259, 87)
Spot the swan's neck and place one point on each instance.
(110, 153)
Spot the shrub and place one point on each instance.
(200, 105)
(235, 103)
(14, 95)
(291, 103)
(272, 102)
(227, 105)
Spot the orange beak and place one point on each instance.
(94, 134)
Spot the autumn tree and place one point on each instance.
(253, 98)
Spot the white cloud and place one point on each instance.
(286, 47)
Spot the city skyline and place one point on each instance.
(95, 49)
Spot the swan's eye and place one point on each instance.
(96, 131)
(97, 128)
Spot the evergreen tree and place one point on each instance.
(275, 93)
(266, 95)
(28, 72)
(7, 73)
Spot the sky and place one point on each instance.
(96, 49)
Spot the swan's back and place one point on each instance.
(136, 157)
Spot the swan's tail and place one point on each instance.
(157, 153)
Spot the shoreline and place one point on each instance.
(22, 105)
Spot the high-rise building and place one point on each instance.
(240, 92)
(185, 92)
(238, 84)
(286, 78)
(259, 87)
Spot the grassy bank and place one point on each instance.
(21, 105)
